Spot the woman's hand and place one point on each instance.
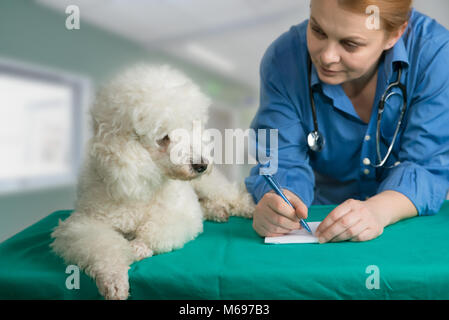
(274, 217)
(352, 220)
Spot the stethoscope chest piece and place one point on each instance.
(315, 141)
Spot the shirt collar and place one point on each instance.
(335, 92)
(396, 54)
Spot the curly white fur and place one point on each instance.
(133, 201)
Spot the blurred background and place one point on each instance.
(50, 71)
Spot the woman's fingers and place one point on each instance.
(278, 204)
(365, 235)
(351, 232)
(301, 210)
(333, 217)
(279, 223)
(274, 216)
(339, 221)
(266, 229)
(281, 213)
(352, 220)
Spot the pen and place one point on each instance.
(277, 188)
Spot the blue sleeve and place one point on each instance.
(423, 175)
(277, 111)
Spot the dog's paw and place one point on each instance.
(215, 211)
(140, 249)
(114, 285)
(243, 207)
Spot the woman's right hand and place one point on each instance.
(274, 217)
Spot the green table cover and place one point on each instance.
(230, 261)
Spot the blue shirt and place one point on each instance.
(339, 172)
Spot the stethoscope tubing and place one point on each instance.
(316, 141)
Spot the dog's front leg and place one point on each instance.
(98, 249)
(140, 249)
(220, 198)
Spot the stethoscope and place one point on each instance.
(315, 139)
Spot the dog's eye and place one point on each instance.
(164, 141)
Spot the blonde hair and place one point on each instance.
(393, 13)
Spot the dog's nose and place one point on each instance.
(200, 167)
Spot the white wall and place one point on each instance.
(437, 9)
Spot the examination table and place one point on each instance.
(410, 260)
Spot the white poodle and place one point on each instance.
(133, 199)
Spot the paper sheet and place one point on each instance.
(296, 236)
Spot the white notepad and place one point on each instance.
(296, 236)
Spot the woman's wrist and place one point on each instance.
(390, 207)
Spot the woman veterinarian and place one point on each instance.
(326, 85)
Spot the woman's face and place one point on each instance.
(341, 45)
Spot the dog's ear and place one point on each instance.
(125, 167)
(139, 120)
(146, 126)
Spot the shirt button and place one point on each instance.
(366, 162)
(397, 163)
(367, 137)
(366, 172)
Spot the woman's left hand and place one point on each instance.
(352, 220)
